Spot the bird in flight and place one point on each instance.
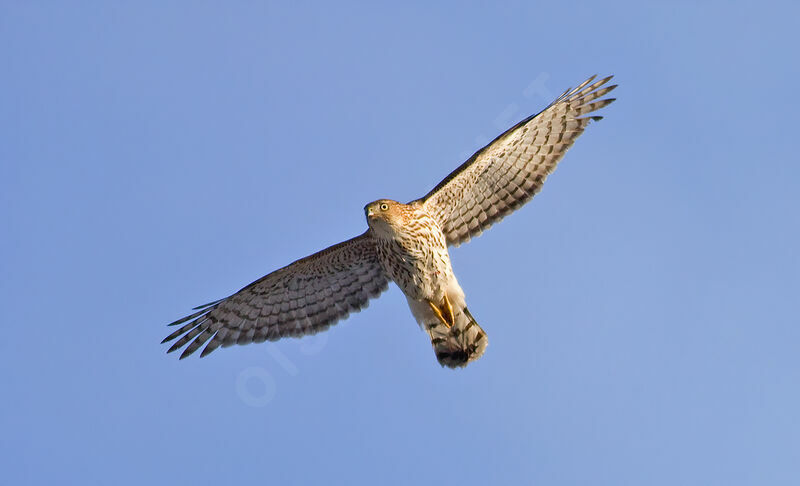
(405, 244)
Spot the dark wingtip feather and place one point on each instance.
(211, 346)
(180, 331)
(586, 83)
(208, 305)
(174, 347)
(187, 318)
(180, 321)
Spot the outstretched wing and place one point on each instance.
(305, 297)
(508, 172)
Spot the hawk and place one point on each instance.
(405, 244)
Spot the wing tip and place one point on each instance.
(208, 305)
(179, 321)
(189, 317)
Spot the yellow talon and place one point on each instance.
(438, 313)
(451, 318)
(447, 317)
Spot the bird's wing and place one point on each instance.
(508, 172)
(305, 297)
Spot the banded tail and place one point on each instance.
(460, 344)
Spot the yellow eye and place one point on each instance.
(384, 207)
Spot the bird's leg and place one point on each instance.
(445, 313)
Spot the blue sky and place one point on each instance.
(641, 311)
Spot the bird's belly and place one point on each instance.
(420, 274)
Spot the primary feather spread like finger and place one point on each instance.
(305, 297)
(508, 172)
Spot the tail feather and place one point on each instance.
(460, 344)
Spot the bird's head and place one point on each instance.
(385, 216)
